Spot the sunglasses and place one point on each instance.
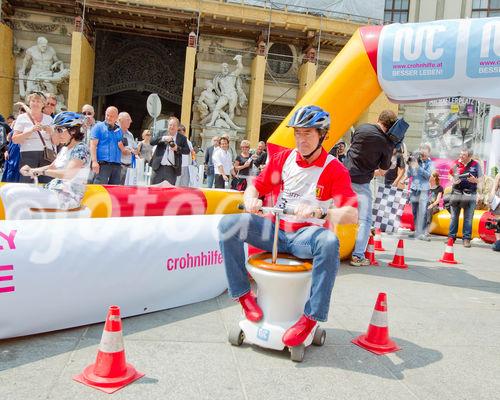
(87, 113)
(51, 104)
(41, 95)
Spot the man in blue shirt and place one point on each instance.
(106, 149)
(420, 169)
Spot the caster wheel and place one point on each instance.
(319, 337)
(236, 336)
(297, 353)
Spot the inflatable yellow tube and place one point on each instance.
(345, 89)
(441, 224)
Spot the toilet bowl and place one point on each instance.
(282, 291)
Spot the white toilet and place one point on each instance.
(54, 213)
(283, 289)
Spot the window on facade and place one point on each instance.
(485, 8)
(280, 58)
(396, 10)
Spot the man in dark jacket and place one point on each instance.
(167, 158)
(370, 150)
(209, 164)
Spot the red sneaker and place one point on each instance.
(252, 310)
(298, 332)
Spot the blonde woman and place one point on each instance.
(242, 167)
(33, 133)
(145, 148)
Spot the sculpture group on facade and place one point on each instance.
(42, 71)
(217, 104)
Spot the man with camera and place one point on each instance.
(167, 158)
(371, 149)
(420, 169)
(339, 151)
(465, 175)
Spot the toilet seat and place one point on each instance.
(264, 261)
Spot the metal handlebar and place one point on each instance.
(278, 212)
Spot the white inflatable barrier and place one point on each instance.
(62, 273)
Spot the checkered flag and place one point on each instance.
(388, 208)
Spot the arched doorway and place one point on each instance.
(129, 67)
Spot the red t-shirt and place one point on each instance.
(292, 180)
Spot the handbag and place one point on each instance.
(238, 183)
(49, 155)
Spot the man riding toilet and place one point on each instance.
(317, 187)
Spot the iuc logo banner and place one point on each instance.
(419, 51)
(439, 59)
(483, 54)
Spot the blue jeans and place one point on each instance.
(419, 200)
(468, 205)
(364, 193)
(314, 242)
(109, 174)
(210, 180)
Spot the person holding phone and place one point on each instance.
(33, 133)
(465, 175)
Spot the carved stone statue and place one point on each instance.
(229, 92)
(206, 105)
(46, 71)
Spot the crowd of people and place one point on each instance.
(371, 154)
(33, 145)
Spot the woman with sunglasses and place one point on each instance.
(32, 131)
(145, 148)
(242, 167)
(69, 173)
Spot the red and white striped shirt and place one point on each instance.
(292, 181)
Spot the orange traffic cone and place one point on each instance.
(377, 338)
(399, 258)
(370, 253)
(110, 371)
(378, 240)
(448, 256)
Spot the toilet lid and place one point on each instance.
(264, 261)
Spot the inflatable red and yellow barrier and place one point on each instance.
(441, 224)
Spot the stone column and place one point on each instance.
(187, 91)
(7, 67)
(307, 72)
(81, 78)
(255, 99)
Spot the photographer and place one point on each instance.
(420, 169)
(370, 149)
(167, 158)
(465, 175)
(339, 151)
